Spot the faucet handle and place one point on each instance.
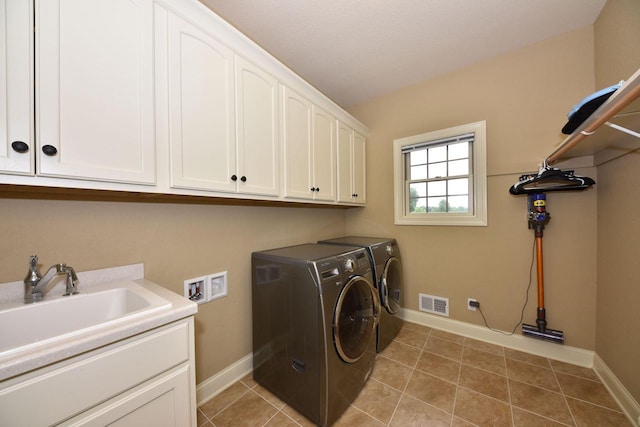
(33, 275)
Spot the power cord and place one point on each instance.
(526, 301)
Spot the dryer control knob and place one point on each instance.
(389, 249)
(348, 265)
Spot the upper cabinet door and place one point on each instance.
(324, 155)
(94, 89)
(345, 164)
(257, 126)
(201, 112)
(359, 168)
(298, 151)
(351, 165)
(16, 87)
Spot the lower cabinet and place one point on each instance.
(162, 401)
(147, 379)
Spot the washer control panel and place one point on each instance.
(355, 261)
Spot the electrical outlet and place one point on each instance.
(469, 306)
(196, 289)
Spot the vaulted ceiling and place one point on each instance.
(356, 50)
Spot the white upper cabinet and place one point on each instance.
(298, 148)
(201, 110)
(359, 168)
(95, 90)
(163, 97)
(324, 155)
(257, 169)
(309, 149)
(16, 94)
(351, 165)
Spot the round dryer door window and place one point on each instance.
(391, 285)
(355, 319)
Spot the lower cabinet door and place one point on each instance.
(161, 402)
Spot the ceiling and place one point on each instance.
(356, 50)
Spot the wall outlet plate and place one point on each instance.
(206, 288)
(469, 306)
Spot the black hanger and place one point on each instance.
(550, 179)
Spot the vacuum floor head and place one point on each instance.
(548, 335)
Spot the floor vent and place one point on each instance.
(435, 305)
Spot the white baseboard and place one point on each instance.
(563, 353)
(629, 405)
(219, 382)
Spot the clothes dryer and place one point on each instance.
(315, 313)
(386, 263)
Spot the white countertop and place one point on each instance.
(18, 363)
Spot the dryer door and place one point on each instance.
(391, 285)
(355, 318)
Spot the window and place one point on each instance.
(440, 177)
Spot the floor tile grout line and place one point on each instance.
(395, 409)
(506, 373)
(543, 416)
(564, 398)
(248, 389)
(594, 404)
(578, 376)
(455, 397)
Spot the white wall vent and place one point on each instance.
(435, 305)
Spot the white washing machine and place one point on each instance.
(315, 315)
(387, 270)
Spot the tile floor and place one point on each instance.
(427, 377)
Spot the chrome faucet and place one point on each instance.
(35, 284)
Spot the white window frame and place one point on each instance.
(477, 216)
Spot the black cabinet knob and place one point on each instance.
(20, 146)
(49, 150)
(234, 178)
(315, 189)
(243, 178)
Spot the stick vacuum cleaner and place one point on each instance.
(538, 218)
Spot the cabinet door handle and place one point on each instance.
(243, 178)
(20, 146)
(234, 178)
(49, 150)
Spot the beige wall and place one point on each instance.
(617, 33)
(524, 97)
(175, 242)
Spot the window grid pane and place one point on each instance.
(439, 178)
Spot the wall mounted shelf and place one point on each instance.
(613, 130)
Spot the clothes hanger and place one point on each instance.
(550, 179)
